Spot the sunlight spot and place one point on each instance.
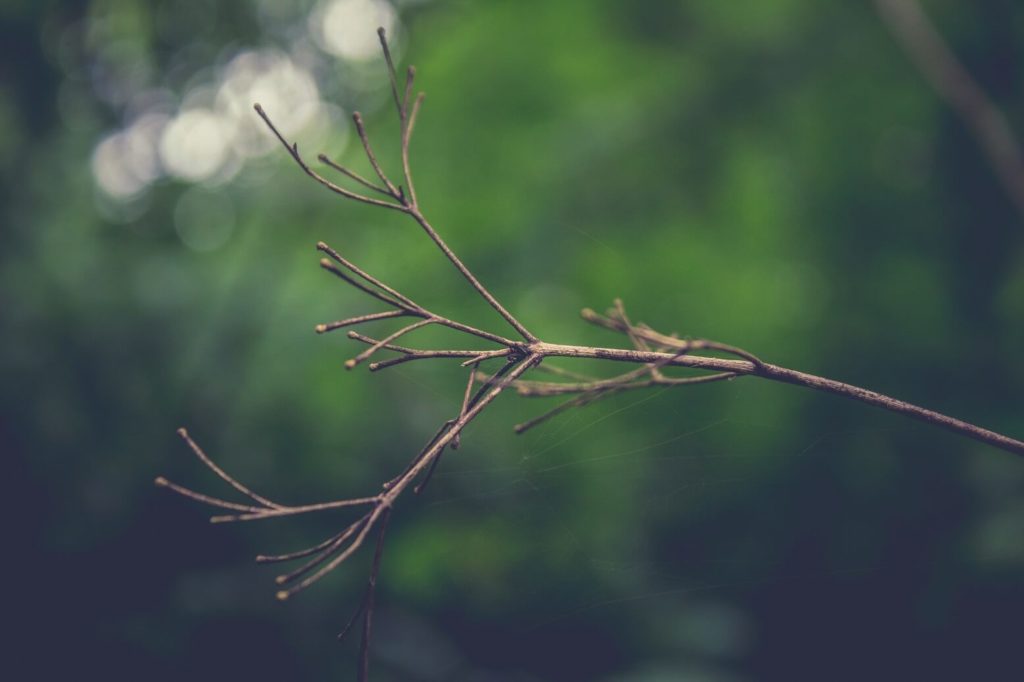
(348, 28)
(286, 91)
(125, 163)
(194, 146)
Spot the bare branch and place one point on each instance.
(162, 482)
(353, 175)
(348, 322)
(261, 514)
(578, 401)
(325, 554)
(331, 268)
(357, 118)
(222, 474)
(371, 589)
(349, 364)
(651, 350)
(404, 301)
(293, 149)
(470, 277)
(291, 556)
(392, 76)
(337, 560)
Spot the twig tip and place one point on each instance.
(182, 432)
(160, 482)
(320, 328)
(349, 364)
(282, 595)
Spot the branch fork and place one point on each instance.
(653, 353)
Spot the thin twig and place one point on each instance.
(334, 270)
(578, 401)
(548, 388)
(470, 277)
(349, 364)
(353, 618)
(325, 553)
(222, 474)
(352, 174)
(407, 302)
(261, 514)
(407, 135)
(371, 589)
(348, 322)
(357, 118)
(293, 149)
(162, 482)
(392, 78)
(291, 556)
(336, 561)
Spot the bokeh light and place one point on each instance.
(348, 28)
(126, 162)
(194, 145)
(212, 132)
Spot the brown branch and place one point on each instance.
(533, 389)
(578, 401)
(791, 376)
(292, 511)
(222, 474)
(651, 350)
(409, 354)
(349, 364)
(371, 589)
(162, 482)
(331, 268)
(470, 277)
(348, 322)
(404, 302)
(407, 136)
(357, 118)
(324, 554)
(293, 149)
(324, 159)
(291, 556)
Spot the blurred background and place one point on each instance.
(778, 176)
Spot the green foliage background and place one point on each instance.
(773, 175)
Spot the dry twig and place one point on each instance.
(651, 350)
